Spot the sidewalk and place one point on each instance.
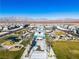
(25, 52)
(51, 54)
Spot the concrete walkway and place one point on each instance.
(42, 53)
(51, 54)
(25, 53)
(38, 54)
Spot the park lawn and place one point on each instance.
(26, 42)
(59, 33)
(2, 40)
(5, 54)
(66, 49)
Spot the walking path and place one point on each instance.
(51, 54)
(25, 53)
(38, 54)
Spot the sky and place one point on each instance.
(40, 8)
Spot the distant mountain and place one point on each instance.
(26, 19)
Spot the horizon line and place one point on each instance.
(48, 16)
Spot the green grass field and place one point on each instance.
(5, 54)
(66, 49)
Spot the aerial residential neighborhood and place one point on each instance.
(36, 40)
(39, 29)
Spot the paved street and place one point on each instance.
(9, 32)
